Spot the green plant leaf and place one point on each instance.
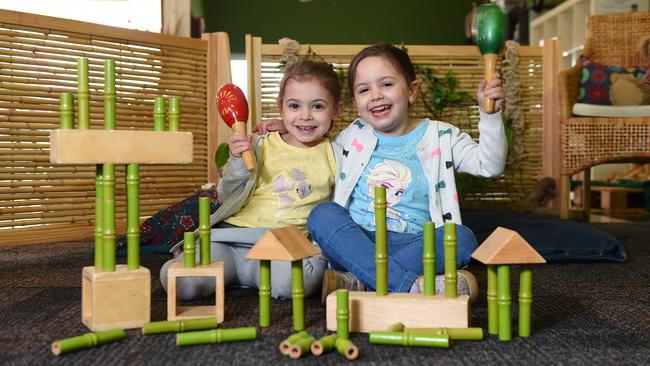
(221, 155)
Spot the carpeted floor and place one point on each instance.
(597, 313)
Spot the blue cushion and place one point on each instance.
(555, 239)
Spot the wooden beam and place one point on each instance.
(551, 60)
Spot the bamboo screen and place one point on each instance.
(41, 202)
(466, 63)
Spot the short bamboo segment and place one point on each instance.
(133, 216)
(159, 114)
(265, 293)
(429, 259)
(504, 302)
(342, 314)
(451, 275)
(525, 300)
(174, 114)
(108, 239)
(297, 295)
(396, 327)
(324, 345)
(204, 229)
(189, 250)
(216, 336)
(83, 98)
(301, 347)
(285, 345)
(99, 216)
(455, 334)
(381, 251)
(346, 348)
(410, 339)
(87, 340)
(178, 326)
(109, 95)
(493, 312)
(67, 111)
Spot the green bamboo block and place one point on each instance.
(346, 348)
(99, 216)
(265, 293)
(301, 346)
(297, 295)
(429, 259)
(189, 250)
(396, 327)
(410, 339)
(451, 276)
(455, 334)
(213, 336)
(178, 326)
(83, 98)
(66, 111)
(381, 252)
(285, 345)
(493, 313)
(159, 114)
(87, 340)
(109, 218)
(109, 95)
(324, 345)
(133, 216)
(342, 314)
(504, 302)
(525, 300)
(174, 114)
(204, 229)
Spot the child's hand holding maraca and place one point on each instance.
(491, 90)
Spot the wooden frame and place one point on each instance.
(174, 309)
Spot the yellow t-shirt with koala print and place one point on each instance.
(292, 181)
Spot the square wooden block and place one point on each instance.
(120, 299)
(175, 310)
(369, 312)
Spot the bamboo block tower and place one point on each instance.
(113, 296)
(501, 249)
(175, 310)
(284, 244)
(376, 311)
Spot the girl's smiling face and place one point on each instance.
(382, 96)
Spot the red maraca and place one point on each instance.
(233, 108)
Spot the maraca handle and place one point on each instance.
(249, 159)
(490, 60)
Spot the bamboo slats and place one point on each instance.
(467, 65)
(41, 202)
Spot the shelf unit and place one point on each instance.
(567, 22)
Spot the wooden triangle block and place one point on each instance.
(286, 244)
(505, 246)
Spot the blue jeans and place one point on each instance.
(351, 248)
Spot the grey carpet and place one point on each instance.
(596, 313)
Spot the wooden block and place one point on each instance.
(120, 299)
(176, 311)
(120, 147)
(369, 312)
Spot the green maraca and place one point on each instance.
(491, 29)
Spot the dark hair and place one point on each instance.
(397, 57)
(318, 70)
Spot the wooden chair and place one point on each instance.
(612, 39)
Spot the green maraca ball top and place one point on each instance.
(491, 26)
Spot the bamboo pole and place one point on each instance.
(504, 301)
(216, 336)
(455, 334)
(82, 94)
(265, 293)
(159, 114)
(133, 216)
(87, 340)
(493, 313)
(297, 295)
(174, 114)
(346, 348)
(301, 347)
(285, 345)
(323, 345)
(381, 253)
(99, 216)
(410, 339)
(451, 275)
(342, 314)
(179, 326)
(189, 250)
(204, 229)
(108, 237)
(525, 300)
(429, 259)
(67, 111)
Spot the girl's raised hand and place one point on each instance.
(492, 90)
(238, 143)
(270, 125)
